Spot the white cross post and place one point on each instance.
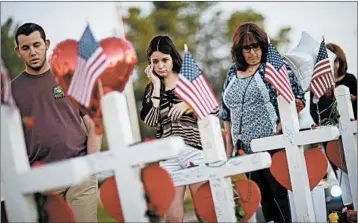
(219, 169)
(348, 129)
(20, 181)
(293, 140)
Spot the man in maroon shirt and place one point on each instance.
(58, 132)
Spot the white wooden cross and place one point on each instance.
(293, 140)
(20, 181)
(348, 129)
(219, 180)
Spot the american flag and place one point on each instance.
(6, 94)
(322, 78)
(90, 65)
(193, 88)
(276, 74)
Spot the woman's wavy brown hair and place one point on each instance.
(244, 32)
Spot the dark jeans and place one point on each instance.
(274, 197)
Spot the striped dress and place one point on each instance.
(186, 126)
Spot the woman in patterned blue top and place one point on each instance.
(250, 111)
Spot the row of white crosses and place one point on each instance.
(19, 181)
(292, 140)
(348, 128)
(219, 177)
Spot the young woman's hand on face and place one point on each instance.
(177, 111)
(151, 76)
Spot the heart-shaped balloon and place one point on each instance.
(158, 186)
(250, 198)
(63, 60)
(316, 163)
(122, 59)
(335, 154)
(303, 57)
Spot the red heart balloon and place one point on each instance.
(316, 162)
(63, 60)
(59, 210)
(335, 154)
(158, 187)
(122, 59)
(248, 190)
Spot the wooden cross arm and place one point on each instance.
(349, 127)
(68, 172)
(74, 171)
(322, 134)
(268, 143)
(154, 150)
(232, 167)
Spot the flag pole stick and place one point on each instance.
(185, 48)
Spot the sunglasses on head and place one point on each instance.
(254, 46)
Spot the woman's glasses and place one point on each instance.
(254, 46)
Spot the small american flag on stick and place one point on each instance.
(276, 74)
(322, 77)
(90, 64)
(194, 89)
(6, 94)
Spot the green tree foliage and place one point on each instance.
(12, 62)
(240, 17)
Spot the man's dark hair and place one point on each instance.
(28, 28)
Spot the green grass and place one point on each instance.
(103, 216)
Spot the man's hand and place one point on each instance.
(94, 141)
(353, 98)
(177, 111)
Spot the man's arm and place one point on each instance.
(94, 141)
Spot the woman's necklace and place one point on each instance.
(249, 72)
(251, 69)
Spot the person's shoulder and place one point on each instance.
(351, 76)
(232, 70)
(18, 79)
